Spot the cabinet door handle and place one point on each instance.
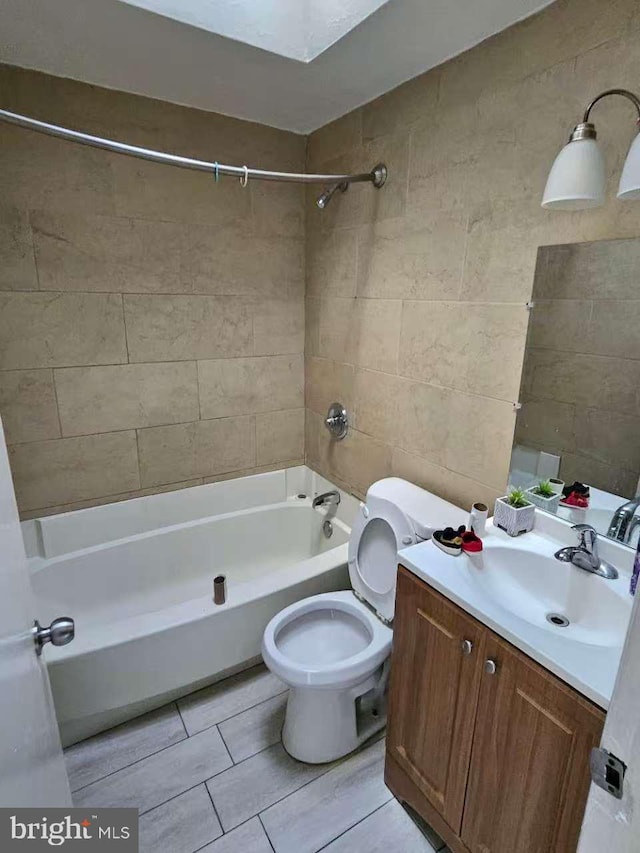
(467, 647)
(490, 666)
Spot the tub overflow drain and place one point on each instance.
(557, 620)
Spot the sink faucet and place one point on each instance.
(327, 499)
(624, 521)
(585, 554)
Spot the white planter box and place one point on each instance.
(513, 521)
(548, 504)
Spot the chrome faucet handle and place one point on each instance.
(587, 536)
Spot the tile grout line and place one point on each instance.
(264, 829)
(357, 823)
(181, 718)
(224, 743)
(182, 740)
(215, 810)
(237, 713)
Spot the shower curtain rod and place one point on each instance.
(377, 176)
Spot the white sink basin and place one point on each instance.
(513, 585)
(532, 585)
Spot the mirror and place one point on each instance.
(578, 431)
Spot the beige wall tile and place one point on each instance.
(279, 436)
(312, 309)
(28, 405)
(334, 139)
(413, 259)
(174, 328)
(236, 261)
(60, 329)
(73, 469)
(278, 326)
(17, 263)
(241, 386)
(48, 172)
(172, 453)
(467, 346)
(278, 208)
(364, 332)
(154, 191)
(480, 453)
(424, 421)
(411, 103)
(107, 253)
(453, 487)
(327, 382)
(226, 264)
(331, 270)
(379, 398)
(106, 399)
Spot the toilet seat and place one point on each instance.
(328, 640)
(379, 532)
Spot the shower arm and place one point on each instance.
(377, 176)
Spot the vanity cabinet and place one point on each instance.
(489, 747)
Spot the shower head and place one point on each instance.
(323, 200)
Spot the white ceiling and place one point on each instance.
(286, 63)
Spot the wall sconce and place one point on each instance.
(577, 178)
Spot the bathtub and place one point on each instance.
(137, 578)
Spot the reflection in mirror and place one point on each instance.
(578, 431)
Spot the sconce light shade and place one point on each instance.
(630, 179)
(577, 179)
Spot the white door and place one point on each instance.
(611, 824)
(32, 771)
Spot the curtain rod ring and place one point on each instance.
(216, 171)
(244, 180)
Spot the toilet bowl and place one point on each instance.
(333, 650)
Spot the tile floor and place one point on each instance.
(209, 774)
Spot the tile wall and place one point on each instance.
(152, 324)
(416, 293)
(151, 321)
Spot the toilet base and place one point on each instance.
(323, 724)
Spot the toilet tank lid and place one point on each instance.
(426, 511)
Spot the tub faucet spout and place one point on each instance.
(327, 499)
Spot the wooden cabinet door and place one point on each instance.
(529, 774)
(433, 694)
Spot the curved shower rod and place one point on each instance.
(377, 176)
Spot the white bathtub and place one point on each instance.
(137, 578)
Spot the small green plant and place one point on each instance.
(544, 489)
(516, 498)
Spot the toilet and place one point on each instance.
(333, 650)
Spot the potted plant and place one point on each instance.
(544, 496)
(514, 513)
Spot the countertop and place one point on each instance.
(590, 669)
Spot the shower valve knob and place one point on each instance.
(337, 421)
